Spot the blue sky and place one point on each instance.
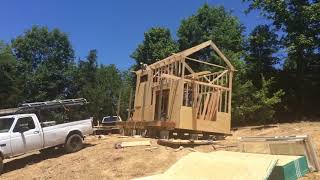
(114, 28)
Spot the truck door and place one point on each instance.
(26, 136)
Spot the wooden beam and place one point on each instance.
(143, 101)
(205, 106)
(198, 74)
(130, 104)
(211, 74)
(190, 69)
(160, 100)
(183, 54)
(197, 82)
(215, 48)
(230, 92)
(174, 92)
(194, 49)
(199, 61)
(224, 72)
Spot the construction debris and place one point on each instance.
(217, 146)
(137, 136)
(179, 149)
(102, 137)
(151, 148)
(179, 142)
(283, 145)
(191, 149)
(132, 144)
(123, 136)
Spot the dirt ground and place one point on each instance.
(100, 160)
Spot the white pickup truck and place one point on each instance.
(22, 133)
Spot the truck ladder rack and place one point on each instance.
(36, 106)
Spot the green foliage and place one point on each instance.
(39, 45)
(107, 90)
(46, 57)
(216, 24)
(99, 85)
(9, 81)
(299, 22)
(261, 48)
(211, 23)
(253, 105)
(127, 87)
(157, 44)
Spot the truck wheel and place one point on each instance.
(1, 165)
(74, 143)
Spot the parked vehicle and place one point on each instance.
(110, 120)
(108, 125)
(22, 133)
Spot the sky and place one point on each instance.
(113, 27)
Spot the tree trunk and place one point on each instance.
(300, 84)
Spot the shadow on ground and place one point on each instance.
(36, 158)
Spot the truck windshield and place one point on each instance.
(5, 124)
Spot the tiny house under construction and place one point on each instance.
(184, 93)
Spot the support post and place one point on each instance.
(130, 104)
(160, 99)
(230, 91)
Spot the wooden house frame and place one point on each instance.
(171, 95)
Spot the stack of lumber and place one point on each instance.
(234, 165)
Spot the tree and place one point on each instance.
(299, 22)
(127, 87)
(255, 105)
(9, 81)
(212, 23)
(261, 48)
(103, 96)
(157, 44)
(87, 70)
(47, 58)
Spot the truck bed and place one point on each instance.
(56, 134)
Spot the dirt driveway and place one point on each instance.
(100, 160)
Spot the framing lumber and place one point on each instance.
(197, 74)
(194, 99)
(199, 61)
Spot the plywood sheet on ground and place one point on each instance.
(287, 167)
(134, 143)
(198, 165)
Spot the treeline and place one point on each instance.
(40, 65)
(277, 77)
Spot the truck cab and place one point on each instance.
(19, 134)
(23, 133)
